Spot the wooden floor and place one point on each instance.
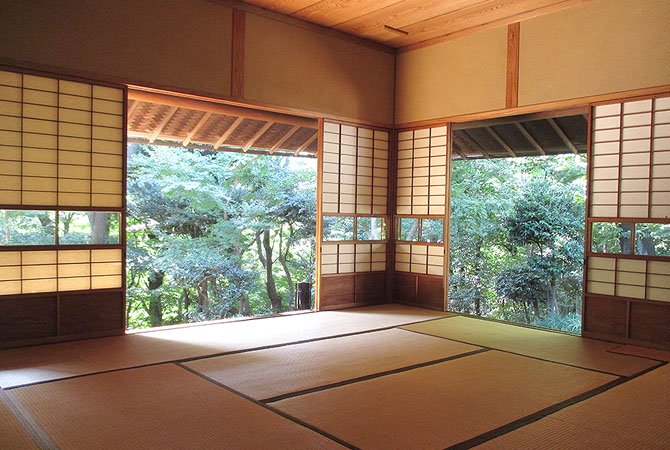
(379, 377)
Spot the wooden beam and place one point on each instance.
(228, 132)
(500, 141)
(219, 108)
(530, 138)
(306, 144)
(196, 128)
(562, 135)
(197, 146)
(257, 136)
(469, 141)
(284, 138)
(159, 129)
(132, 109)
(237, 55)
(512, 91)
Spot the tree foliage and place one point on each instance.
(195, 221)
(517, 237)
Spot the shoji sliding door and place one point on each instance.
(61, 208)
(354, 212)
(421, 199)
(627, 296)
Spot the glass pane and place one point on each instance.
(408, 230)
(371, 229)
(21, 227)
(611, 237)
(338, 228)
(88, 227)
(652, 239)
(432, 230)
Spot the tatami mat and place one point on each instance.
(552, 434)
(12, 434)
(643, 352)
(442, 404)
(49, 362)
(551, 346)
(159, 407)
(273, 372)
(638, 408)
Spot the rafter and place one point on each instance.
(159, 129)
(132, 109)
(456, 147)
(530, 138)
(195, 129)
(471, 142)
(231, 129)
(562, 135)
(499, 140)
(284, 138)
(257, 136)
(306, 144)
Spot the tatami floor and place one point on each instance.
(383, 377)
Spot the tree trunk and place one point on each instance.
(245, 306)
(203, 294)
(624, 238)
(648, 247)
(265, 255)
(536, 309)
(283, 260)
(552, 301)
(478, 287)
(155, 307)
(99, 227)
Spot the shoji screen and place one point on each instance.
(421, 199)
(354, 214)
(61, 207)
(628, 228)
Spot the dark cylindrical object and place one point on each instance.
(303, 296)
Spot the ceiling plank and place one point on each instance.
(159, 129)
(306, 144)
(400, 14)
(499, 140)
(563, 136)
(196, 128)
(479, 15)
(231, 129)
(257, 136)
(332, 12)
(283, 139)
(282, 6)
(530, 138)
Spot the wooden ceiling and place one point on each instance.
(184, 122)
(402, 23)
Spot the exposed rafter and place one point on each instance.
(257, 136)
(159, 129)
(196, 128)
(228, 132)
(471, 143)
(562, 135)
(284, 138)
(132, 108)
(529, 137)
(499, 140)
(307, 143)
